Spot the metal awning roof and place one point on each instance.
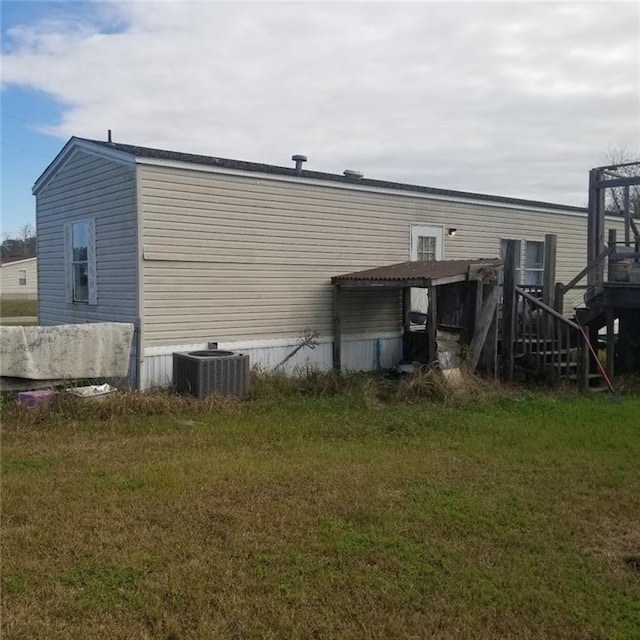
(420, 273)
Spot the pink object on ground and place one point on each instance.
(40, 398)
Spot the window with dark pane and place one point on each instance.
(533, 255)
(426, 248)
(534, 263)
(80, 261)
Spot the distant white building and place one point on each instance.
(19, 279)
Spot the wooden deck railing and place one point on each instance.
(547, 344)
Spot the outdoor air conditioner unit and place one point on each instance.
(204, 373)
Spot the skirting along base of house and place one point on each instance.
(360, 352)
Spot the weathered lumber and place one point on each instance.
(509, 310)
(337, 337)
(484, 324)
(432, 322)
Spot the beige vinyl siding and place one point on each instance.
(87, 186)
(239, 257)
(10, 286)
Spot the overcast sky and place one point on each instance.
(513, 98)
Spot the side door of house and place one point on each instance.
(427, 243)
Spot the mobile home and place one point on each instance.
(18, 280)
(198, 249)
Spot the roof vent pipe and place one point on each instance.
(298, 159)
(109, 135)
(353, 175)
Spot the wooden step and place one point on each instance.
(572, 364)
(549, 356)
(591, 376)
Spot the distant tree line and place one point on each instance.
(22, 245)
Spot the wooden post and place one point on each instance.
(483, 325)
(591, 221)
(558, 298)
(432, 322)
(595, 228)
(627, 217)
(549, 273)
(480, 288)
(337, 337)
(508, 309)
(406, 322)
(611, 242)
(549, 277)
(406, 308)
(600, 229)
(489, 355)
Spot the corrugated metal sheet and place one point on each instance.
(417, 270)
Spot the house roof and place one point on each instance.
(15, 260)
(140, 154)
(419, 273)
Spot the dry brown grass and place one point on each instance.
(425, 385)
(116, 407)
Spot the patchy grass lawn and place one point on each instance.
(17, 308)
(325, 517)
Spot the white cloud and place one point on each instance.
(516, 99)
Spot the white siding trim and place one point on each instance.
(121, 157)
(358, 355)
(264, 344)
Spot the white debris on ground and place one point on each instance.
(91, 391)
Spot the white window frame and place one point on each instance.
(434, 231)
(92, 293)
(22, 277)
(521, 267)
(537, 270)
(420, 297)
